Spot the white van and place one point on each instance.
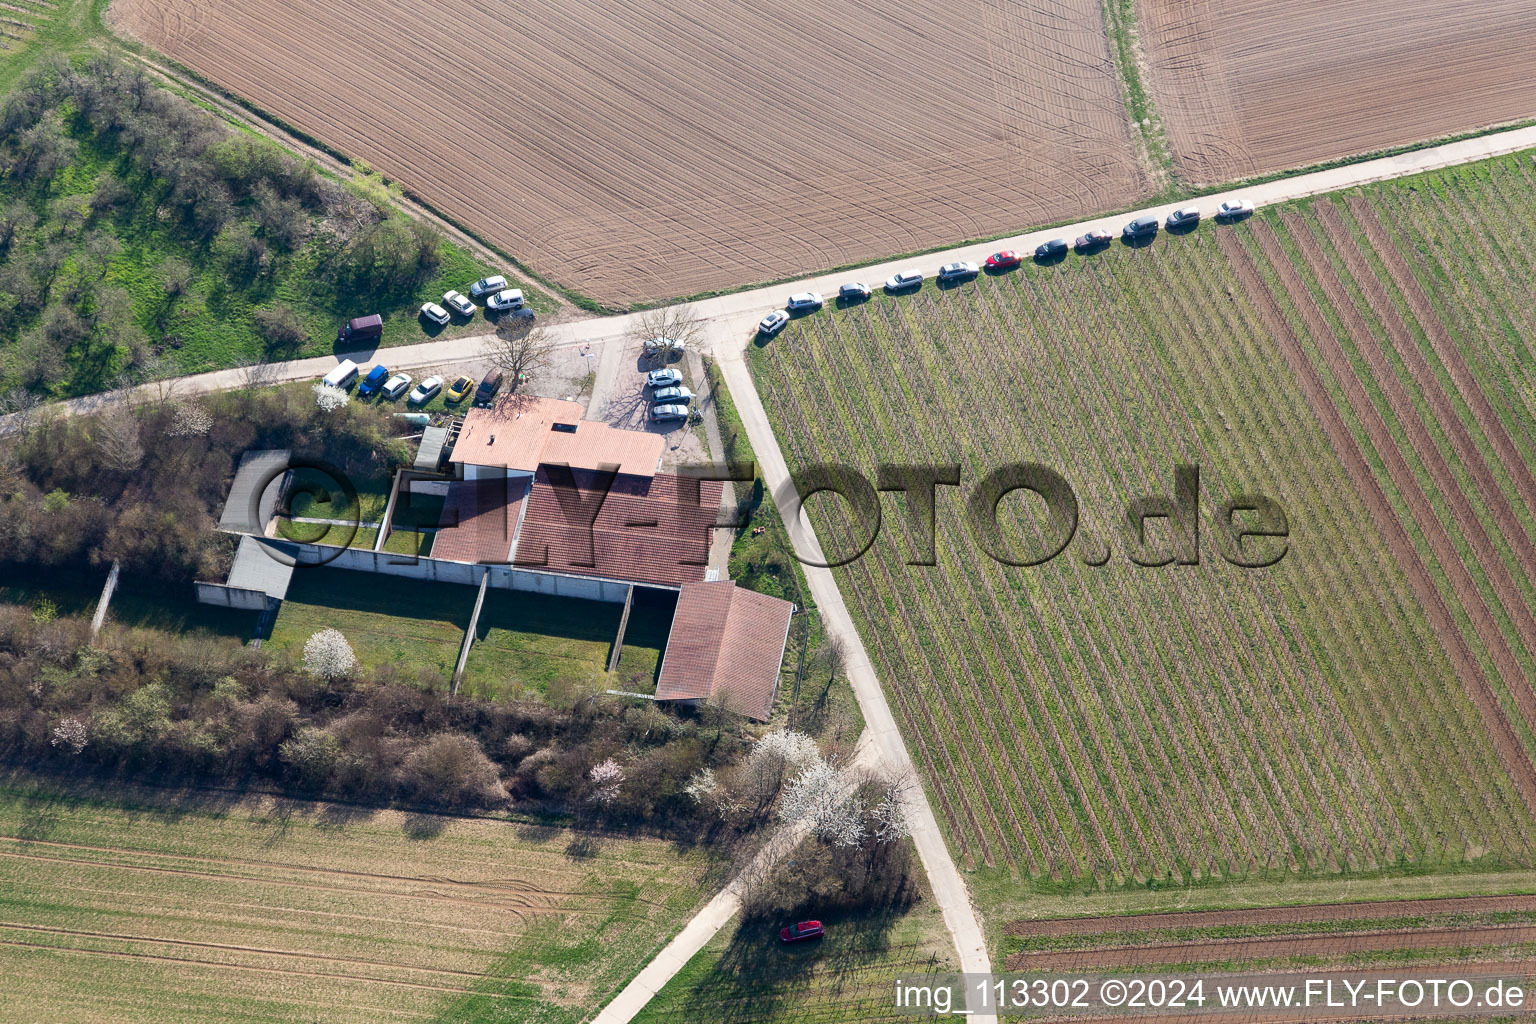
(345, 373)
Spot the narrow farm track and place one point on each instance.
(1316, 913)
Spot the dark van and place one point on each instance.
(361, 329)
(488, 388)
(1141, 227)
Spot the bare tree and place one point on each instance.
(680, 325)
(117, 439)
(258, 375)
(521, 353)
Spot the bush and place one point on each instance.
(453, 769)
(281, 329)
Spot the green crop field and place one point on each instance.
(1364, 705)
(143, 907)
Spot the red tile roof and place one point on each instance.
(725, 640)
(485, 513)
(647, 529)
(520, 433)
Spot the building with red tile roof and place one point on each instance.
(726, 644)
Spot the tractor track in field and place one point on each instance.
(1312, 913)
(1274, 947)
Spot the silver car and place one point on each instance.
(673, 396)
(487, 286)
(958, 271)
(904, 279)
(459, 303)
(804, 302)
(424, 391)
(396, 386)
(667, 378)
(663, 413)
(853, 291)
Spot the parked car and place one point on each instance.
(433, 313)
(801, 931)
(773, 323)
(342, 374)
(424, 391)
(1005, 259)
(668, 378)
(505, 300)
(804, 302)
(459, 303)
(487, 286)
(663, 346)
(854, 291)
(1095, 239)
(903, 279)
(1141, 227)
(396, 387)
(460, 389)
(957, 271)
(673, 396)
(1051, 250)
(662, 413)
(1185, 218)
(375, 380)
(488, 388)
(361, 329)
(1232, 209)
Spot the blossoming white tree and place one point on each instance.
(827, 798)
(72, 734)
(607, 777)
(329, 398)
(328, 655)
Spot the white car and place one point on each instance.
(1234, 208)
(958, 271)
(854, 291)
(395, 386)
(487, 286)
(432, 312)
(661, 413)
(424, 391)
(905, 279)
(673, 396)
(459, 303)
(803, 302)
(773, 323)
(505, 300)
(668, 378)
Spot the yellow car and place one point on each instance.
(460, 389)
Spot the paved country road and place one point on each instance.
(729, 320)
(734, 315)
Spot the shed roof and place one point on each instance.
(726, 640)
(522, 433)
(254, 492)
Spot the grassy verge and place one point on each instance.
(1120, 22)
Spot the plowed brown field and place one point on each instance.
(1248, 87)
(641, 151)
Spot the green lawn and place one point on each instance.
(645, 641)
(139, 605)
(387, 619)
(746, 976)
(528, 645)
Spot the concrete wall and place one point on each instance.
(503, 577)
(474, 472)
(230, 597)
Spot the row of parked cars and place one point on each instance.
(379, 381)
(493, 290)
(670, 398)
(963, 270)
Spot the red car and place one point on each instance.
(803, 930)
(1005, 260)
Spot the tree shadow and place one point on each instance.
(421, 826)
